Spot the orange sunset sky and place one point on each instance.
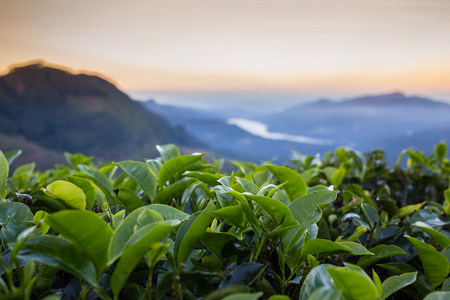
(320, 48)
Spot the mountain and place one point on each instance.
(394, 99)
(212, 128)
(55, 109)
(391, 122)
(178, 115)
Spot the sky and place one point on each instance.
(300, 49)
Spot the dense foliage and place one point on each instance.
(339, 226)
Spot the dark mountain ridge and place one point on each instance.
(80, 113)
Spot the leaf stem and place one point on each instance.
(149, 284)
(261, 243)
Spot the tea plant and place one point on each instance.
(339, 226)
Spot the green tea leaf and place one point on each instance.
(446, 285)
(233, 214)
(357, 248)
(408, 210)
(68, 192)
(326, 293)
(435, 265)
(377, 282)
(295, 186)
(317, 278)
(440, 150)
(322, 248)
(24, 169)
(175, 165)
(380, 252)
(358, 232)
(123, 233)
(207, 178)
(353, 284)
(338, 176)
(147, 216)
(77, 159)
(437, 296)
(4, 170)
(10, 232)
(100, 180)
(168, 151)
(440, 238)
(38, 216)
(142, 175)
(207, 263)
(248, 185)
(306, 212)
(329, 172)
(129, 199)
(277, 209)
(169, 212)
(87, 230)
(138, 245)
(15, 210)
(215, 241)
(371, 214)
(87, 187)
(156, 252)
(117, 218)
(244, 274)
(166, 194)
(12, 155)
(308, 175)
(191, 231)
(154, 166)
(60, 253)
(421, 283)
(241, 296)
(395, 283)
(228, 290)
(279, 297)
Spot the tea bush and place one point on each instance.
(341, 226)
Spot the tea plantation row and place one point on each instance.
(339, 226)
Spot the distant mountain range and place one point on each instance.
(394, 99)
(212, 128)
(391, 122)
(46, 111)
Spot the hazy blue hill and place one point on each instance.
(80, 113)
(211, 128)
(392, 122)
(177, 115)
(386, 100)
(396, 99)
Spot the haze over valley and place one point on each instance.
(391, 122)
(46, 111)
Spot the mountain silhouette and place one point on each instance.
(61, 111)
(396, 99)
